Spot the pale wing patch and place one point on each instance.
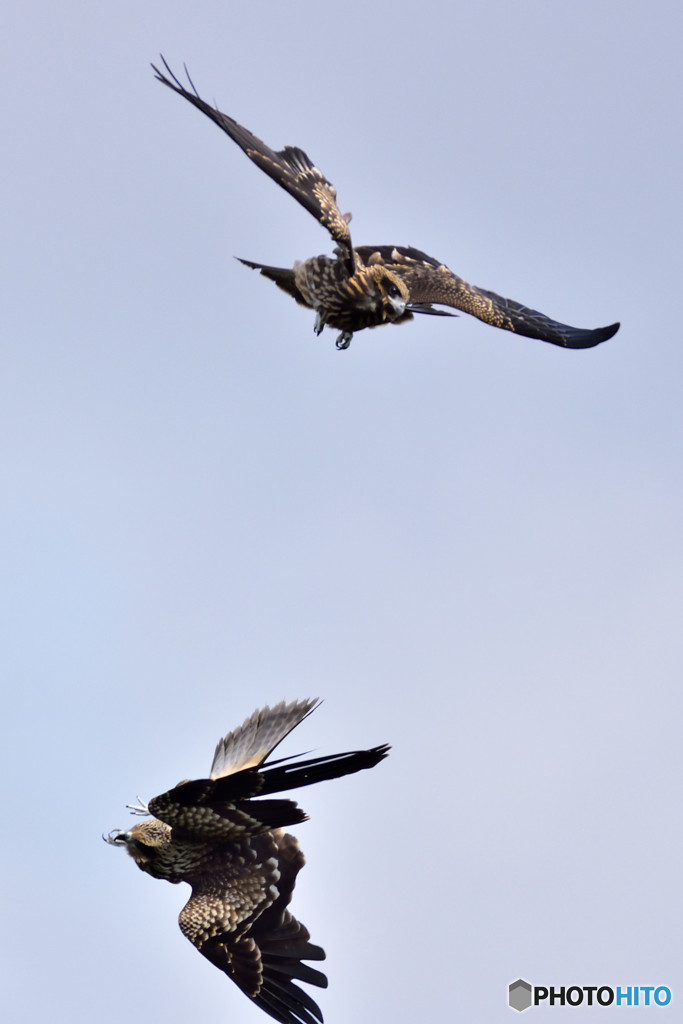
(250, 744)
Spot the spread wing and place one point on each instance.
(289, 167)
(238, 919)
(429, 281)
(221, 808)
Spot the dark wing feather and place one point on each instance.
(430, 281)
(222, 808)
(240, 922)
(289, 167)
(283, 278)
(201, 811)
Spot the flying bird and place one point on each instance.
(241, 864)
(372, 285)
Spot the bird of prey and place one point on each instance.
(372, 285)
(241, 864)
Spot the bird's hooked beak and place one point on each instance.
(398, 304)
(117, 838)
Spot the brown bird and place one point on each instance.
(371, 285)
(240, 862)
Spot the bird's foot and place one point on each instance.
(139, 808)
(344, 340)
(114, 838)
(318, 325)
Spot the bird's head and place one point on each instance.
(394, 294)
(142, 841)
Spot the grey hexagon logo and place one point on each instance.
(519, 995)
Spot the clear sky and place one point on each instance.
(468, 543)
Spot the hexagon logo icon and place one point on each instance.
(519, 995)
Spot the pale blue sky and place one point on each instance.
(468, 543)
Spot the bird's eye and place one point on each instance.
(393, 291)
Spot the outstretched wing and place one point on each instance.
(223, 810)
(238, 919)
(429, 281)
(290, 167)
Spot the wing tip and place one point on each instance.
(589, 339)
(605, 333)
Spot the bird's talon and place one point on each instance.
(114, 837)
(139, 808)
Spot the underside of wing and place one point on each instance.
(238, 800)
(239, 921)
(429, 281)
(289, 167)
(257, 737)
